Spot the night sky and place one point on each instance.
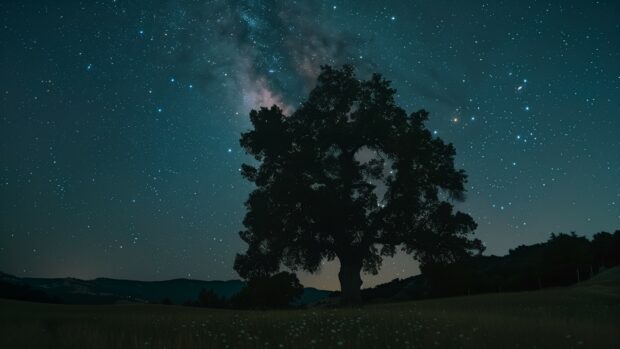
(120, 120)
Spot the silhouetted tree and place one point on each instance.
(568, 258)
(208, 298)
(349, 175)
(606, 249)
(564, 259)
(166, 301)
(276, 291)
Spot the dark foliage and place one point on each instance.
(349, 175)
(276, 291)
(606, 249)
(25, 293)
(387, 290)
(563, 260)
(209, 299)
(280, 290)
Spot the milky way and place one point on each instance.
(120, 121)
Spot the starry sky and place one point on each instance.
(120, 120)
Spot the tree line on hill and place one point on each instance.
(562, 260)
(280, 290)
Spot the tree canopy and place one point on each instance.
(349, 175)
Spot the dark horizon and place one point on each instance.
(120, 122)
(364, 286)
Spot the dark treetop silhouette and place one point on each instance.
(350, 176)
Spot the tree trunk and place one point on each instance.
(350, 281)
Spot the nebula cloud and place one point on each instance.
(271, 49)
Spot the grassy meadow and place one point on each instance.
(583, 316)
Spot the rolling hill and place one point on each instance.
(585, 315)
(109, 291)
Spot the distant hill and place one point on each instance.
(108, 291)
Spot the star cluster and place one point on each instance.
(119, 121)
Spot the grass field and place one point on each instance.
(582, 316)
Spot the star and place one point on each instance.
(210, 68)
